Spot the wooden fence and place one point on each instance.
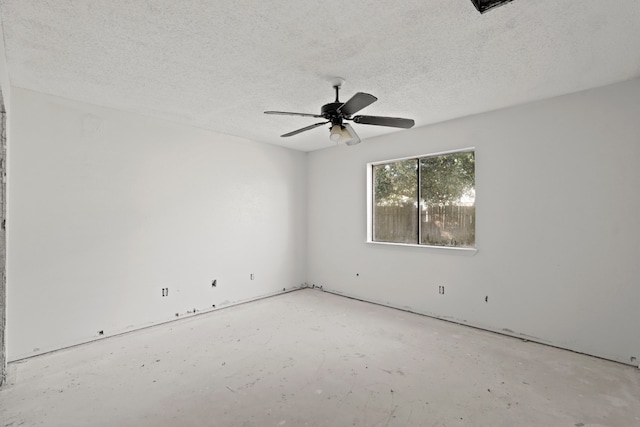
(440, 225)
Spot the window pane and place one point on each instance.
(395, 207)
(447, 200)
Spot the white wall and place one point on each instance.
(558, 230)
(107, 208)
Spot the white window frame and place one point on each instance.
(370, 198)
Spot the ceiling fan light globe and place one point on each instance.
(336, 134)
(349, 136)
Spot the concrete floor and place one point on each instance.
(309, 358)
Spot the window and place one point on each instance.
(426, 200)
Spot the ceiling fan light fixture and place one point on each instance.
(343, 133)
(353, 136)
(336, 133)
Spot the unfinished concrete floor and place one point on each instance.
(309, 358)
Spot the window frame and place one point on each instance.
(371, 196)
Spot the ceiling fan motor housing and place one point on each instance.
(330, 112)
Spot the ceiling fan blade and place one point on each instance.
(395, 122)
(357, 103)
(287, 113)
(295, 132)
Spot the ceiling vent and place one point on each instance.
(485, 5)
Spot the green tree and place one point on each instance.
(396, 183)
(444, 180)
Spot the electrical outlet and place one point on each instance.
(441, 290)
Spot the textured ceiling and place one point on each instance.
(219, 64)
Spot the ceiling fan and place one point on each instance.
(338, 112)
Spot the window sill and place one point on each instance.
(461, 251)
